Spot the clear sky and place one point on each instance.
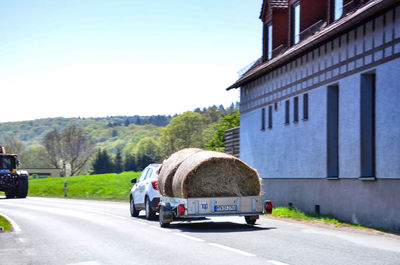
(95, 58)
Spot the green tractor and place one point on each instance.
(12, 181)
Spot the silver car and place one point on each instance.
(144, 194)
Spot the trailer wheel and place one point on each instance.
(250, 220)
(161, 219)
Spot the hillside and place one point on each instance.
(122, 142)
(108, 132)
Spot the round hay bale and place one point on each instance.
(215, 174)
(168, 168)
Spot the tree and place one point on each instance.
(78, 147)
(102, 163)
(139, 121)
(147, 152)
(72, 145)
(228, 121)
(130, 162)
(118, 166)
(53, 146)
(13, 146)
(183, 131)
(34, 157)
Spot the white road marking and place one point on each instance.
(244, 253)
(30, 252)
(138, 222)
(10, 249)
(77, 202)
(189, 237)
(277, 262)
(85, 263)
(72, 213)
(159, 228)
(15, 227)
(366, 240)
(117, 216)
(47, 205)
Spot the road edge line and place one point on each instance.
(233, 249)
(15, 226)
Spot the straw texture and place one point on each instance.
(169, 167)
(214, 174)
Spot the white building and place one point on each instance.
(320, 110)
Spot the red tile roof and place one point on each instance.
(272, 4)
(278, 3)
(330, 30)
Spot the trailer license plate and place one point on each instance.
(224, 208)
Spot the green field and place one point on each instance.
(96, 187)
(5, 224)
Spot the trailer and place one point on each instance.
(251, 207)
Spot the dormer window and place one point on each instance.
(337, 9)
(296, 23)
(274, 15)
(269, 41)
(268, 44)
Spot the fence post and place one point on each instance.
(65, 188)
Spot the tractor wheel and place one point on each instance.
(10, 195)
(22, 188)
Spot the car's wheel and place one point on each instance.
(134, 211)
(150, 213)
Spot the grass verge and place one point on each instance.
(294, 213)
(5, 224)
(96, 187)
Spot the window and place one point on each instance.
(367, 127)
(337, 9)
(287, 112)
(143, 175)
(296, 23)
(305, 107)
(263, 119)
(148, 174)
(296, 109)
(270, 117)
(269, 41)
(333, 131)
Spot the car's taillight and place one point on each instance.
(181, 209)
(154, 183)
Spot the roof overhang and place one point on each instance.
(328, 32)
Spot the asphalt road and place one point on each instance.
(61, 231)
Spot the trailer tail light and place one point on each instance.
(268, 207)
(181, 209)
(154, 183)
